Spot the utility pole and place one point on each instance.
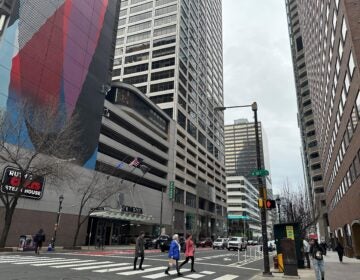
(262, 194)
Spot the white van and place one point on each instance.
(237, 243)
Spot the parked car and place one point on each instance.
(237, 243)
(250, 242)
(255, 242)
(220, 243)
(205, 242)
(150, 242)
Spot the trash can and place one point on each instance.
(280, 262)
(26, 243)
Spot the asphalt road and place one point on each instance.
(118, 264)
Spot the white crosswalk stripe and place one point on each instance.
(135, 272)
(101, 266)
(207, 272)
(227, 277)
(117, 269)
(162, 274)
(37, 261)
(60, 262)
(81, 264)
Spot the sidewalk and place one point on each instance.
(334, 270)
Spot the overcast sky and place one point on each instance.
(258, 67)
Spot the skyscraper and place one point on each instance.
(310, 146)
(172, 51)
(332, 53)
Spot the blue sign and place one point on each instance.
(238, 217)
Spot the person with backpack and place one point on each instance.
(340, 250)
(39, 239)
(189, 252)
(317, 255)
(174, 255)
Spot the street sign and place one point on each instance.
(259, 172)
(290, 232)
(171, 192)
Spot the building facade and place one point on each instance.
(171, 50)
(332, 53)
(313, 171)
(243, 211)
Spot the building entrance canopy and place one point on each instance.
(111, 213)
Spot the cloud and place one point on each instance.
(258, 67)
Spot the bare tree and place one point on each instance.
(37, 143)
(95, 192)
(296, 208)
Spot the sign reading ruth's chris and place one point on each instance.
(11, 181)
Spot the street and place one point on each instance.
(114, 264)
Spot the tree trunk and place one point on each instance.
(9, 211)
(76, 235)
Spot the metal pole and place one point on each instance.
(262, 191)
(91, 225)
(161, 208)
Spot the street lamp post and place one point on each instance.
(278, 203)
(262, 188)
(61, 199)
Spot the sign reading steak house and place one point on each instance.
(11, 180)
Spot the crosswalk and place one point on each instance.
(96, 266)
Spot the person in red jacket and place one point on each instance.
(189, 252)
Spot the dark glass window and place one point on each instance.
(163, 63)
(162, 75)
(162, 98)
(191, 128)
(181, 119)
(162, 86)
(164, 41)
(137, 47)
(299, 44)
(136, 79)
(163, 52)
(190, 200)
(136, 68)
(169, 112)
(136, 57)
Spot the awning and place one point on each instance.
(120, 215)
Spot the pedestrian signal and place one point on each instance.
(260, 203)
(270, 204)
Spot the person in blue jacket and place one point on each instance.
(174, 255)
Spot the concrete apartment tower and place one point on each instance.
(172, 51)
(329, 37)
(313, 171)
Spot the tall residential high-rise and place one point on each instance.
(332, 54)
(172, 51)
(310, 147)
(240, 151)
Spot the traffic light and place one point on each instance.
(171, 192)
(270, 204)
(260, 203)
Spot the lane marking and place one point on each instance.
(207, 272)
(117, 268)
(195, 276)
(135, 272)
(38, 261)
(101, 266)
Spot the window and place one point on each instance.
(164, 41)
(123, 13)
(140, 17)
(351, 64)
(166, 10)
(165, 30)
(343, 29)
(162, 75)
(163, 2)
(136, 68)
(140, 8)
(119, 51)
(140, 26)
(162, 86)
(136, 79)
(117, 61)
(165, 20)
(163, 63)
(116, 72)
(299, 44)
(191, 129)
(162, 98)
(181, 119)
(163, 52)
(136, 57)
(137, 47)
(138, 37)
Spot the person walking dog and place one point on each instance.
(139, 250)
(189, 252)
(174, 255)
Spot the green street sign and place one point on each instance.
(259, 172)
(171, 192)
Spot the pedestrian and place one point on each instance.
(174, 255)
(317, 254)
(306, 247)
(39, 239)
(139, 250)
(340, 250)
(189, 252)
(323, 245)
